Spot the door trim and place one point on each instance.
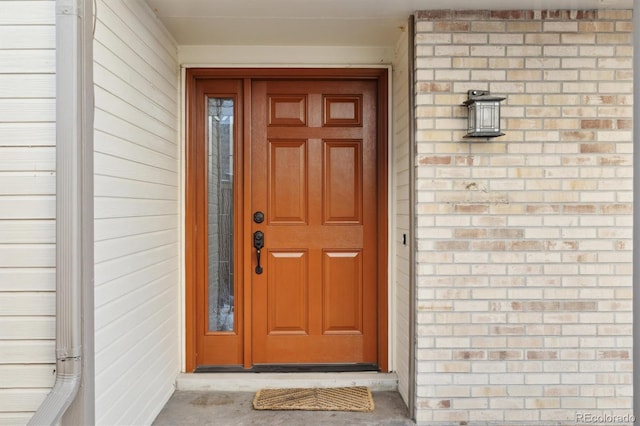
(193, 75)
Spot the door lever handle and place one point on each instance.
(258, 243)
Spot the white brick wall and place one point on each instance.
(524, 251)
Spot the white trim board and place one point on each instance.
(284, 56)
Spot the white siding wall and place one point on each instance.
(400, 147)
(137, 213)
(27, 206)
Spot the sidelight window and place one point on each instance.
(220, 144)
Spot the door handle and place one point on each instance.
(258, 243)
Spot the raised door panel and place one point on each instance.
(343, 111)
(342, 182)
(287, 110)
(288, 293)
(342, 292)
(287, 186)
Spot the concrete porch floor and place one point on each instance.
(227, 399)
(218, 408)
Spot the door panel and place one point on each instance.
(342, 299)
(288, 301)
(287, 186)
(288, 110)
(313, 173)
(342, 178)
(342, 111)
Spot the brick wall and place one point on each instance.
(524, 241)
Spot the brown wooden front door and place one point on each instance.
(302, 164)
(313, 176)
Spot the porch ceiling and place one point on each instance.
(320, 22)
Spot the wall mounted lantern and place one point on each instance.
(484, 114)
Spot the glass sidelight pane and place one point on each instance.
(220, 214)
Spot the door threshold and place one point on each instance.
(251, 382)
(289, 368)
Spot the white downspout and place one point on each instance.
(74, 209)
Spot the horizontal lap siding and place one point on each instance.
(27, 207)
(401, 193)
(136, 208)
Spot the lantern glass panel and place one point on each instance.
(471, 126)
(487, 115)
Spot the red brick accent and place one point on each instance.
(506, 233)
(511, 15)
(452, 245)
(425, 87)
(613, 355)
(580, 208)
(434, 160)
(431, 15)
(505, 355)
(445, 403)
(617, 209)
(543, 208)
(471, 14)
(625, 124)
(464, 160)
(489, 246)
(526, 245)
(596, 124)
(472, 208)
(577, 135)
(555, 306)
(615, 161)
(504, 329)
(542, 354)
(470, 233)
(572, 15)
(597, 148)
(444, 26)
(469, 355)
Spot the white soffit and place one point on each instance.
(321, 22)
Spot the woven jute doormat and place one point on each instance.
(357, 398)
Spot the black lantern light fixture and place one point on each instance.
(484, 114)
